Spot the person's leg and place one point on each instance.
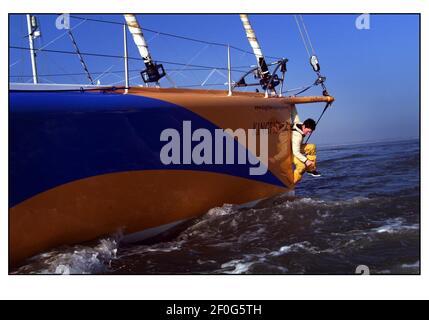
(299, 170)
(310, 151)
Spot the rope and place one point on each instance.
(317, 122)
(306, 88)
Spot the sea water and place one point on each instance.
(362, 214)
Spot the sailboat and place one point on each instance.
(85, 160)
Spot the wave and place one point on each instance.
(347, 157)
(283, 234)
(77, 259)
(396, 225)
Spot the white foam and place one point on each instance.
(394, 226)
(238, 265)
(82, 260)
(226, 209)
(305, 245)
(324, 203)
(411, 266)
(165, 249)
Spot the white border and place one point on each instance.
(209, 287)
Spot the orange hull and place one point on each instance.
(84, 165)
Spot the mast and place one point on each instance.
(139, 40)
(251, 36)
(153, 72)
(32, 34)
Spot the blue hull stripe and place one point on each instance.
(56, 138)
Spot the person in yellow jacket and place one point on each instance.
(304, 155)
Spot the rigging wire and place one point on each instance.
(61, 36)
(210, 75)
(193, 58)
(122, 80)
(51, 59)
(121, 57)
(111, 72)
(306, 33)
(47, 44)
(105, 73)
(307, 43)
(82, 61)
(174, 36)
(302, 36)
(320, 117)
(301, 27)
(300, 89)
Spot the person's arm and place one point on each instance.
(296, 146)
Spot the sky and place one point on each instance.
(373, 73)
